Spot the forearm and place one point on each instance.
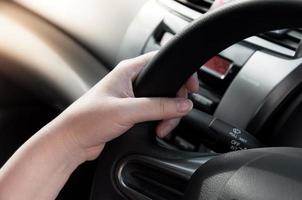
(41, 167)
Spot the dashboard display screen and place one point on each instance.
(217, 66)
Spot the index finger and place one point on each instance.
(192, 83)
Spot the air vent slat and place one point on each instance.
(287, 42)
(200, 5)
(289, 38)
(208, 2)
(295, 35)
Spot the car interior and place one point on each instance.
(243, 137)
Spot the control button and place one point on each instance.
(183, 144)
(218, 67)
(202, 102)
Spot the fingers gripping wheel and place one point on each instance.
(175, 63)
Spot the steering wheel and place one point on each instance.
(134, 166)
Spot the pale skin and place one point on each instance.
(40, 167)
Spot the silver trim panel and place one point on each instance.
(260, 75)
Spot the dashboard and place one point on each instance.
(241, 85)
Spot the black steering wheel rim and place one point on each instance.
(181, 57)
(209, 35)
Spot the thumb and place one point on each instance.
(152, 109)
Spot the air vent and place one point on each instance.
(289, 38)
(200, 5)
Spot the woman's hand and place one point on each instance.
(40, 167)
(109, 109)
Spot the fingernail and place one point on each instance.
(184, 105)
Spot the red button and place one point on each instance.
(218, 66)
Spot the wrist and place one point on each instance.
(48, 158)
(62, 144)
(69, 138)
